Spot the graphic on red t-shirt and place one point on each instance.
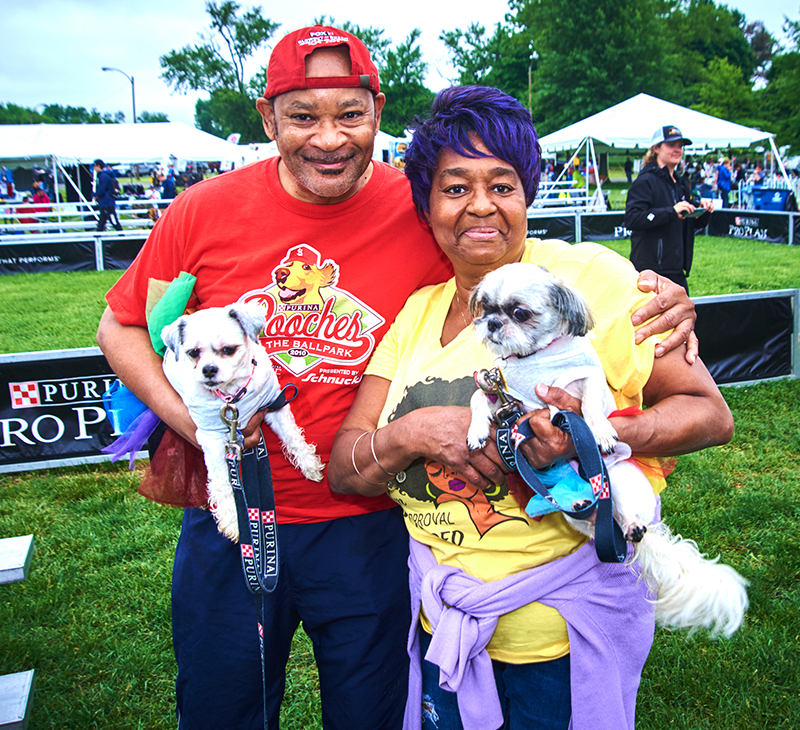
(309, 319)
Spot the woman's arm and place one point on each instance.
(686, 413)
(364, 460)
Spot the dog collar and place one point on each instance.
(239, 394)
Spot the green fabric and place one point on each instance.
(171, 306)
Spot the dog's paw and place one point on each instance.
(227, 522)
(635, 532)
(477, 435)
(311, 466)
(606, 439)
(580, 504)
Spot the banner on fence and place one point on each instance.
(51, 409)
(561, 227)
(745, 338)
(604, 227)
(119, 254)
(33, 258)
(750, 224)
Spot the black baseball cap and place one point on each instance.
(669, 133)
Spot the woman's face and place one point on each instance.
(669, 154)
(477, 209)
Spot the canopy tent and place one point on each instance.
(26, 145)
(631, 124)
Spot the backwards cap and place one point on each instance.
(287, 64)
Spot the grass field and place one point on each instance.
(93, 617)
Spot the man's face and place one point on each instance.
(325, 136)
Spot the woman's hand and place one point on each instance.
(549, 443)
(675, 311)
(683, 207)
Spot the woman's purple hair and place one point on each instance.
(499, 120)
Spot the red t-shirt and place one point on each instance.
(333, 278)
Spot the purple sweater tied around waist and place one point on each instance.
(609, 620)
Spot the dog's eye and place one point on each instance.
(229, 350)
(194, 353)
(520, 314)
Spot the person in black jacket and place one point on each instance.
(104, 194)
(661, 210)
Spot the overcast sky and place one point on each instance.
(54, 51)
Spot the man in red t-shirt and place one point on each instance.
(328, 241)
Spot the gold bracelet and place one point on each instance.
(353, 459)
(372, 448)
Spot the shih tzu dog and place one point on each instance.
(214, 357)
(537, 327)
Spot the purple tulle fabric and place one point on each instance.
(134, 438)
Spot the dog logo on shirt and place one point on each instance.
(312, 322)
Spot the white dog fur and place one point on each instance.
(537, 328)
(211, 354)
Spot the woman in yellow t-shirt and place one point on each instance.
(474, 169)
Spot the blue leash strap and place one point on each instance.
(250, 478)
(610, 543)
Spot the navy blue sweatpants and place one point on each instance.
(346, 580)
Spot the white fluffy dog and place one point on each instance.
(214, 356)
(536, 326)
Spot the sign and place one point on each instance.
(32, 258)
(604, 227)
(561, 227)
(745, 338)
(750, 224)
(51, 410)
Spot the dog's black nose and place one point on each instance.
(209, 371)
(493, 325)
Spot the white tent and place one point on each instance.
(28, 144)
(631, 124)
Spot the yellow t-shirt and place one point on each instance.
(486, 533)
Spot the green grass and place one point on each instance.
(93, 616)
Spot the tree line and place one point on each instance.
(563, 59)
(57, 114)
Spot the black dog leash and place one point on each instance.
(250, 478)
(610, 543)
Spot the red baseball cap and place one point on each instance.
(287, 64)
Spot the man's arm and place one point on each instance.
(131, 356)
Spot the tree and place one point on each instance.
(781, 97)
(501, 60)
(726, 94)
(217, 65)
(763, 45)
(592, 54)
(402, 80)
(56, 114)
(150, 117)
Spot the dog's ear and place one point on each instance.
(572, 308)
(172, 335)
(475, 306)
(251, 318)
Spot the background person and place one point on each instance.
(724, 176)
(105, 195)
(662, 237)
(474, 169)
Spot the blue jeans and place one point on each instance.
(533, 696)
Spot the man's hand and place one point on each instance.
(675, 310)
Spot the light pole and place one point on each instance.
(133, 88)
